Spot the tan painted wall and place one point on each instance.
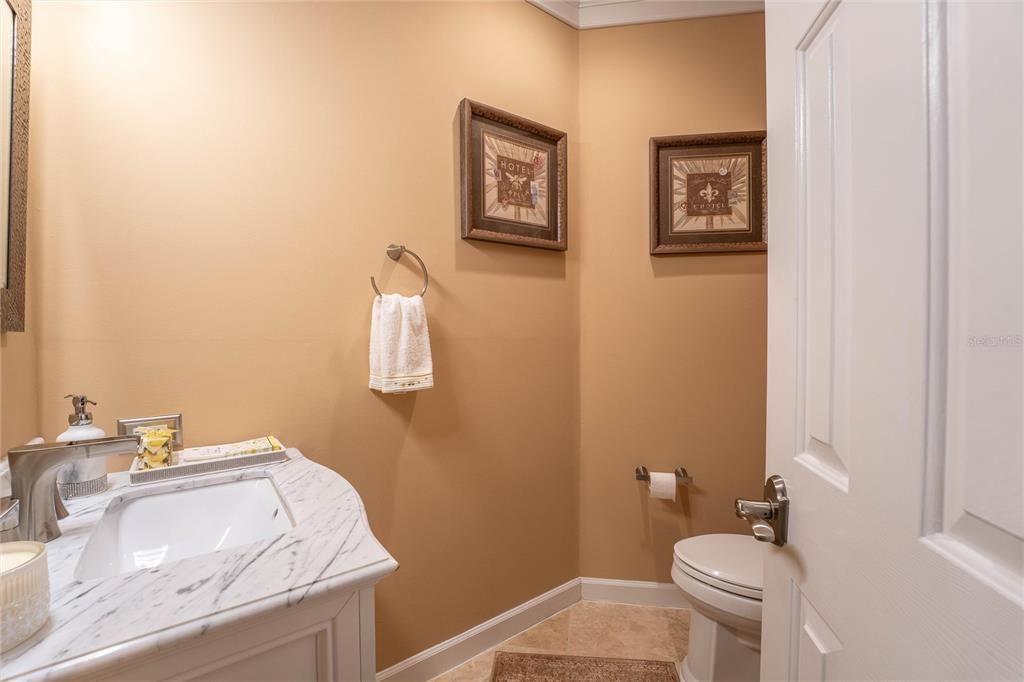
(19, 371)
(213, 185)
(19, 378)
(672, 350)
(19, 414)
(208, 198)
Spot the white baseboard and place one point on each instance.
(636, 592)
(459, 649)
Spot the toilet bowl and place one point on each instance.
(721, 577)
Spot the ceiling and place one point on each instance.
(598, 13)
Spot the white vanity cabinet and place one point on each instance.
(326, 638)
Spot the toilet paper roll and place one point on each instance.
(663, 486)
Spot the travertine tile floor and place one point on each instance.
(590, 628)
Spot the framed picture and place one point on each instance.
(709, 193)
(513, 179)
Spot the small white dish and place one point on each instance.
(24, 591)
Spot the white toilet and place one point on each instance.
(722, 577)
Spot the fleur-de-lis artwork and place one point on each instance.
(708, 193)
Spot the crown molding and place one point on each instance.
(584, 14)
(568, 11)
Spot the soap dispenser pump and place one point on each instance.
(86, 476)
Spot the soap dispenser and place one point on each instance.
(85, 476)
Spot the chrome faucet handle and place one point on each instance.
(769, 519)
(34, 479)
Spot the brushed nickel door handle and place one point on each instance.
(768, 518)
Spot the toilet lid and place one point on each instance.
(731, 562)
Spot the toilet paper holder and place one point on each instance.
(682, 477)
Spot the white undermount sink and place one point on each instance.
(147, 530)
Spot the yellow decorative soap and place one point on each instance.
(156, 444)
(245, 447)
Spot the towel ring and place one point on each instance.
(395, 252)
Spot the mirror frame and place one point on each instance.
(12, 297)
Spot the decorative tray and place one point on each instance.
(180, 469)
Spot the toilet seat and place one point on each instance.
(733, 609)
(729, 562)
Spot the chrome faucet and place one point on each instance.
(34, 482)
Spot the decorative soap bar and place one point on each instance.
(246, 447)
(155, 446)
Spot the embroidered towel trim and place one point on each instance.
(400, 359)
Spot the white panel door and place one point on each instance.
(895, 374)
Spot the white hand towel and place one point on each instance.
(400, 345)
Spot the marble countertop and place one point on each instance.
(95, 623)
